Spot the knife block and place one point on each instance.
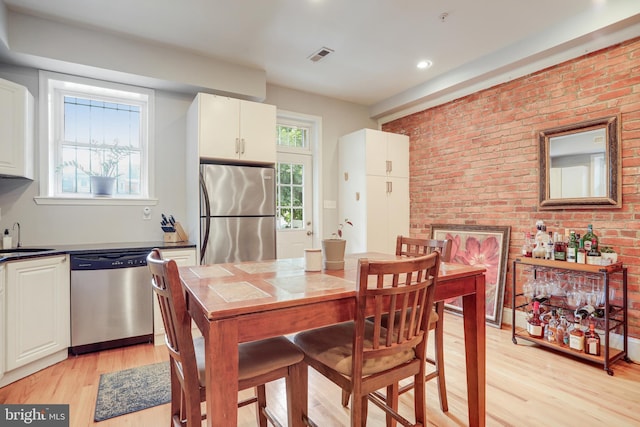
(176, 236)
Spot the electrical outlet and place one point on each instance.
(146, 213)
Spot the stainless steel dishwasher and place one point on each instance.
(111, 300)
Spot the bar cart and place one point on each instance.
(556, 293)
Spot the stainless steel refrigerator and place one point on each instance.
(237, 213)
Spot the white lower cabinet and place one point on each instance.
(182, 257)
(37, 330)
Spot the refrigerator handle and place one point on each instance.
(207, 209)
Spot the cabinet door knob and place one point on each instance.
(242, 146)
(237, 145)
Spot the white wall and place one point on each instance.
(62, 225)
(59, 225)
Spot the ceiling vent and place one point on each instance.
(320, 54)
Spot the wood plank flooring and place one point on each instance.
(526, 386)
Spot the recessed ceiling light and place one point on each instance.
(423, 65)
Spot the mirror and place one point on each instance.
(580, 165)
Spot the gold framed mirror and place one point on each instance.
(580, 165)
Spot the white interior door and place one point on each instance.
(294, 204)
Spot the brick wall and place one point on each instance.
(475, 160)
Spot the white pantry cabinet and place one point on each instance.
(16, 130)
(374, 189)
(232, 129)
(182, 257)
(37, 304)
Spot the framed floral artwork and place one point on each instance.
(485, 246)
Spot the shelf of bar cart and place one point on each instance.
(614, 320)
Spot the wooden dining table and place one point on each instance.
(240, 302)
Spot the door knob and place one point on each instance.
(309, 233)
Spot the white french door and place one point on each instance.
(294, 204)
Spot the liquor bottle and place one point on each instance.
(593, 255)
(550, 247)
(576, 336)
(587, 239)
(559, 251)
(581, 257)
(592, 341)
(534, 325)
(552, 327)
(562, 332)
(526, 247)
(572, 247)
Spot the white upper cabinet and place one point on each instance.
(387, 154)
(231, 129)
(16, 130)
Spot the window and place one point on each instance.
(96, 128)
(290, 183)
(293, 136)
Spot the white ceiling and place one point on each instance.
(377, 43)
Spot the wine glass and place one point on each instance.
(542, 286)
(529, 286)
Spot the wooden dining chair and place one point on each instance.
(414, 247)
(260, 361)
(362, 356)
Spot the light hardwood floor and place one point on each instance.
(525, 387)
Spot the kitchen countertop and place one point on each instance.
(49, 250)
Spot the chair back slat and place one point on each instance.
(399, 289)
(412, 247)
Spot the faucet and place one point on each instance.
(13, 228)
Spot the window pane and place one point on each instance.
(297, 196)
(284, 219)
(100, 138)
(284, 174)
(292, 136)
(297, 221)
(285, 196)
(297, 172)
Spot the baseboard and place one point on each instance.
(33, 367)
(615, 341)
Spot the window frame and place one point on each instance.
(53, 87)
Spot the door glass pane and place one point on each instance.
(290, 189)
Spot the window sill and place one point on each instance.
(94, 201)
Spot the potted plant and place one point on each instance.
(103, 171)
(608, 255)
(333, 248)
